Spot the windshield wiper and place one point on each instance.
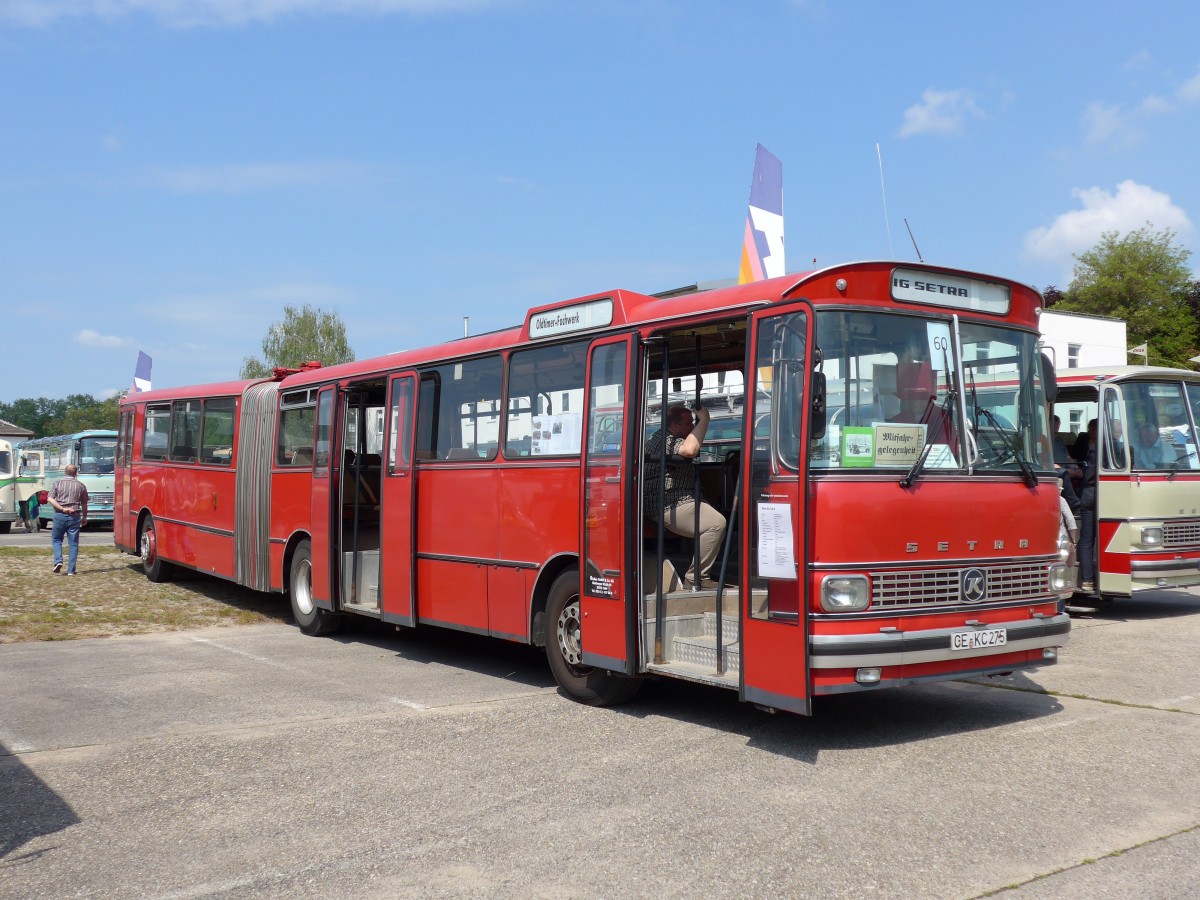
(1027, 473)
(919, 465)
(1013, 450)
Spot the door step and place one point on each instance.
(690, 647)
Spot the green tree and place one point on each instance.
(306, 333)
(77, 412)
(1141, 277)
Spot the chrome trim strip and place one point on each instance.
(1147, 568)
(946, 562)
(206, 529)
(931, 645)
(479, 561)
(829, 690)
(901, 612)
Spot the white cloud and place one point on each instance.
(1154, 105)
(90, 338)
(940, 112)
(111, 142)
(1139, 60)
(1107, 123)
(194, 13)
(1189, 91)
(1130, 208)
(1102, 122)
(513, 181)
(247, 177)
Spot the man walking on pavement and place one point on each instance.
(69, 498)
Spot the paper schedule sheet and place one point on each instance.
(776, 556)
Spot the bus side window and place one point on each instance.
(154, 432)
(216, 441)
(185, 425)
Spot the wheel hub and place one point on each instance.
(568, 632)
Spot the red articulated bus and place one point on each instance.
(885, 526)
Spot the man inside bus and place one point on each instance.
(1150, 452)
(1068, 472)
(683, 438)
(69, 498)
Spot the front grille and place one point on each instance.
(940, 587)
(1180, 534)
(100, 498)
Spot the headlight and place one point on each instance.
(1059, 580)
(1152, 536)
(845, 593)
(1064, 543)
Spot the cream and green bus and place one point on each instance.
(1147, 497)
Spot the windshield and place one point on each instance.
(96, 456)
(1006, 401)
(5, 462)
(1157, 423)
(888, 392)
(891, 383)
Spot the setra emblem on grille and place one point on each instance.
(973, 585)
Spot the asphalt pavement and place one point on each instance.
(257, 762)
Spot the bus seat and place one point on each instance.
(462, 453)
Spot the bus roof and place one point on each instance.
(218, 389)
(1097, 374)
(863, 284)
(70, 436)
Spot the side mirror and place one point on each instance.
(817, 424)
(1049, 379)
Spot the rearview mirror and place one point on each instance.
(1049, 379)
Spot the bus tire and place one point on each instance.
(5, 527)
(595, 687)
(153, 566)
(310, 618)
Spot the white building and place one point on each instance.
(1078, 340)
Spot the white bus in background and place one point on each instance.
(94, 453)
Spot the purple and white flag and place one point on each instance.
(762, 246)
(141, 374)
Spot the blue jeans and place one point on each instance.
(69, 525)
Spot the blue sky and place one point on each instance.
(172, 172)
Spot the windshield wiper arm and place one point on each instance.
(1027, 473)
(919, 465)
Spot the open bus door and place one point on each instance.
(607, 569)
(123, 522)
(773, 495)
(1115, 498)
(397, 502)
(324, 492)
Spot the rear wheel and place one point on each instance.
(310, 618)
(595, 687)
(152, 564)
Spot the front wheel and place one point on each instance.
(155, 569)
(310, 618)
(564, 650)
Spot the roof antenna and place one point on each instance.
(887, 224)
(914, 240)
